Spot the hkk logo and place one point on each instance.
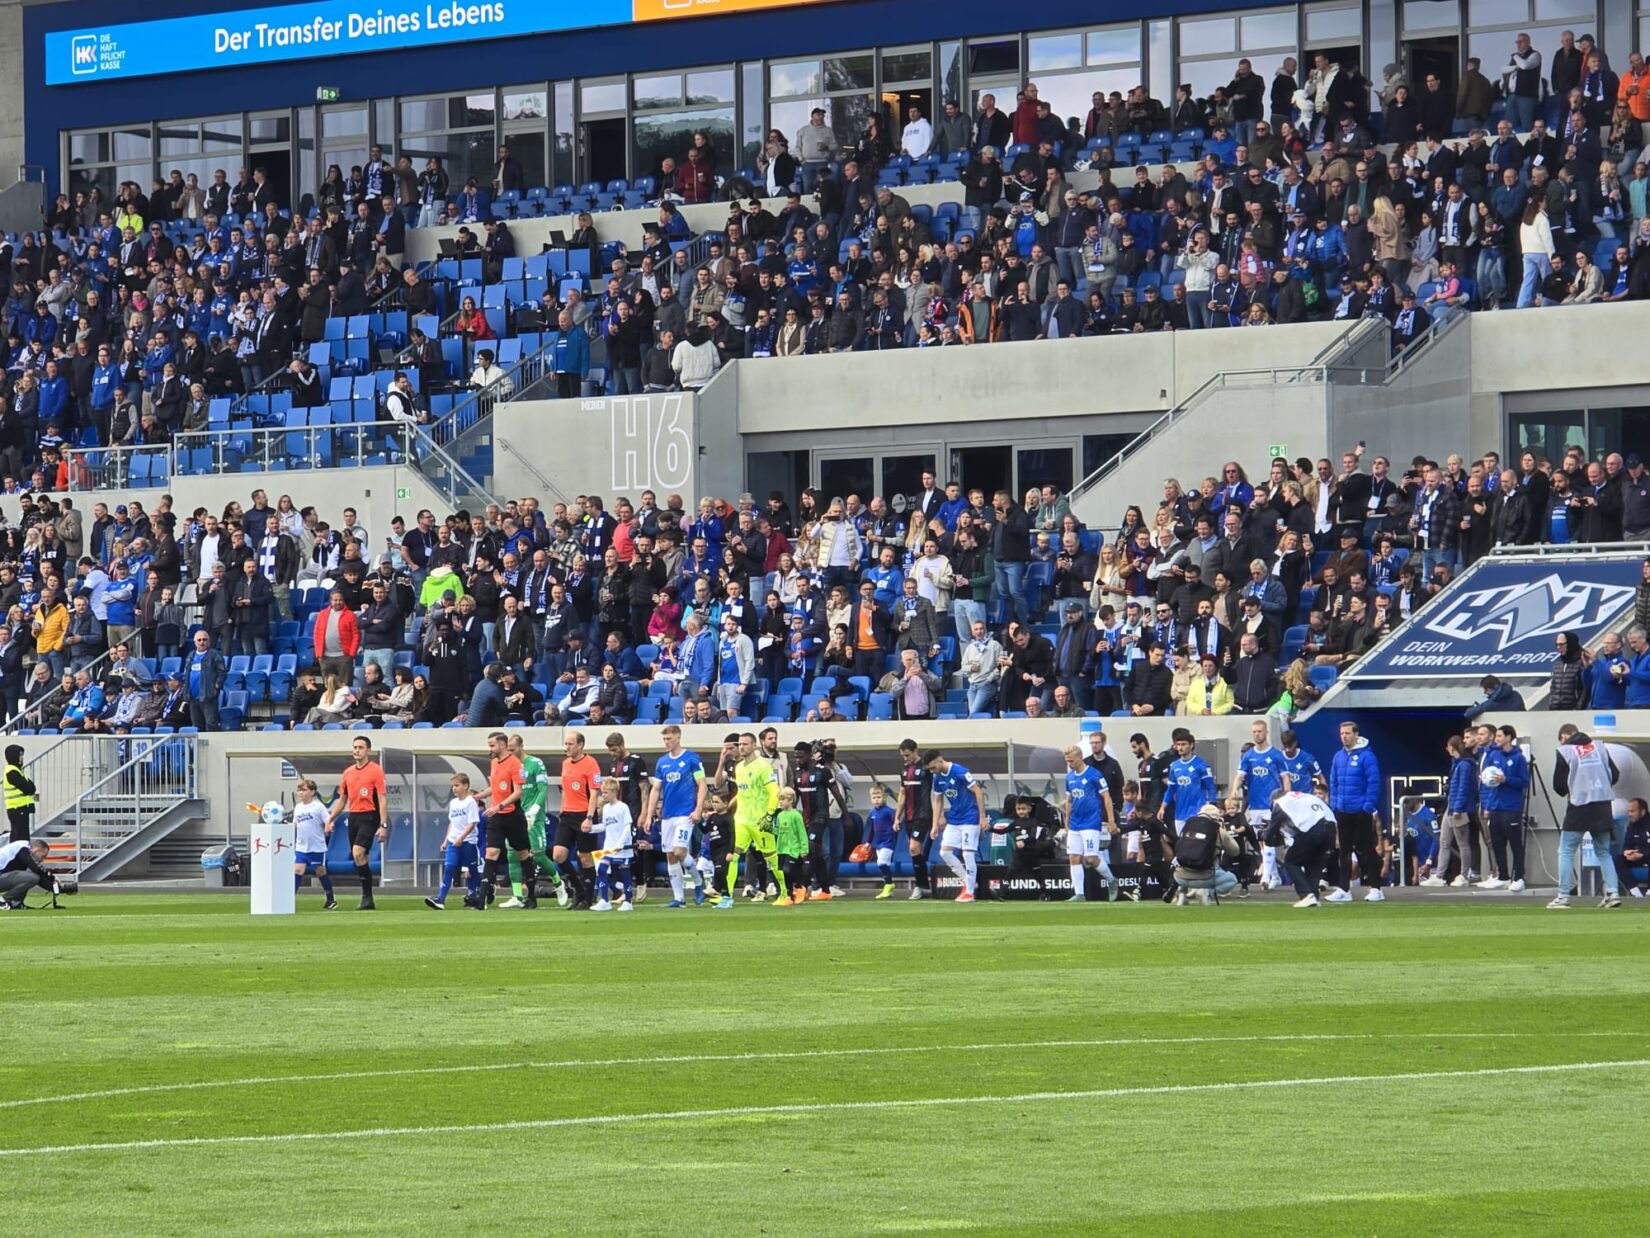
(83, 54)
(1518, 613)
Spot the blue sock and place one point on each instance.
(887, 872)
(472, 881)
(446, 884)
(297, 881)
(326, 884)
(629, 878)
(602, 871)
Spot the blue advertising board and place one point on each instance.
(1504, 619)
(305, 31)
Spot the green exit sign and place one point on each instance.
(403, 492)
(328, 94)
(1278, 451)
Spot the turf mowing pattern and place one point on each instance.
(1433, 1067)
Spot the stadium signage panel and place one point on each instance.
(340, 28)
(1505, 621)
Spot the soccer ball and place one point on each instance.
(1493, 776)
(272, 813)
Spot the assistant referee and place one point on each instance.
(362, 794)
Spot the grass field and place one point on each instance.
(176, 1067)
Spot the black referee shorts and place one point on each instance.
(363, 827)
(568, 834)
(507, 829)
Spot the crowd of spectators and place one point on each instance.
(1228, 595)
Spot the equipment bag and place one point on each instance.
(1196, 847)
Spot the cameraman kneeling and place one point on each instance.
(1199, 849)
(21, 871)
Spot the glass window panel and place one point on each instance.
(847, 475)
(526, 105)
(561, 142)
(754, 127)
(915, 66)
(1334, 26)
(847, 115)
(850, 72)
(138, 173)
(789, 115)
(793, 77)
(179, 139)
(1431, 15)
(1114, 45)
(527, 145)
(348, 158)
(1493, 47)
(709, 86)
(417, 116)
(951, 70)
(274, 128)
(1039, 466)
(1553, 10)
(1497, 12)
(222, 133)
(84, 180)
(90, 147)
(1261, 30)
(670, 133)
(659, 90)
(1644, 34)
(993, 56)
(1071, 94)
(352, 121)
(383, 122)
(466, 155)
(903, 474)
(1054, 51)
(1208, 37)
(601, 97)
(133, 143)
(1160, 53)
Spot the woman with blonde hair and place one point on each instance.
(337, 703)
(1391, 245)
(1108, 580)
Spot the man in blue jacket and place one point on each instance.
(1607, 675)
(1501, 795)
(1355, 799)
(1638, 672)
(569, 349)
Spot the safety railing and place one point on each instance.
(143, 779)
(30, 716)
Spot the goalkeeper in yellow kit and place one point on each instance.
(756, 801)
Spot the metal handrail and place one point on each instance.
(1316, 370)
(526, 462)
(526, 373)
(136, 766)
(16, 722)
(426, 448)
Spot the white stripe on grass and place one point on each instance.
(408, 1072)
(850, 1106)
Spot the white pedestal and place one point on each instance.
(273, 849)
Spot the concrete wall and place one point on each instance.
(1425, 409)
(1039, 379)
(11, 93)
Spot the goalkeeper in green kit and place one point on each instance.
(535, 794)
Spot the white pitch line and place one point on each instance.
(778, 1055)
(851, 1106)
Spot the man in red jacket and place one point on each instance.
(695, 180)
(1025, 117)
(337, 639)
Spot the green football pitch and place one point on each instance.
(174, 1066)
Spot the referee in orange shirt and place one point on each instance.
(580, 776)
(362, 795)
(506, 823)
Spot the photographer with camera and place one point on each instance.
(21, 871)
(1032, 828)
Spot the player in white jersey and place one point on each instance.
(618, 846)
(310, 816)
(1304, 823)
(460, 849)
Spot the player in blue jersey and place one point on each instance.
(879, 829)
(1090, 825)
(1301, 766)
(959, 809)
(1191, 782)
(1262, 772)
(677, 796)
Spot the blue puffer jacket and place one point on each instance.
(1355, 780)
(1463, 785)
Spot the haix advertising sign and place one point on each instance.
(1506, 621)
(339, 28)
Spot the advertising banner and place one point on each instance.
(1504, 620)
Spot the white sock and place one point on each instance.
(1105, 871)
(707, 869)
(954, 864)
(971, 866)
(690, 874)
(1076, 878)
(674, 868)
(1269, 863)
